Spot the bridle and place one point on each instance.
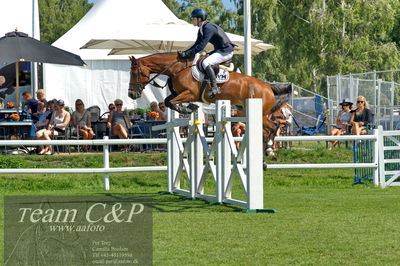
(139, 73)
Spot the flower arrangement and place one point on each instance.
(152, 115)
(14, 117)
(10, 105)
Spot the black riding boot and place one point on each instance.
(214, 88)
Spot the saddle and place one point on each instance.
(221, 70)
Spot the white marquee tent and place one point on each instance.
(126, 26)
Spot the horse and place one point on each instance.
(185, 89)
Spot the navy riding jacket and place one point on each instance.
(211, 33)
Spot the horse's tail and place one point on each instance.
(282, 93)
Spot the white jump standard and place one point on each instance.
(222, 160)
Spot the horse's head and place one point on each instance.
(140, 75)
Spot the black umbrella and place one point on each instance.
(17, 46)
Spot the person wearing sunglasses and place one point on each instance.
(81, 121)
(362, 117)
(118, 121)
(342, 120)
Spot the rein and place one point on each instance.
(143, 85)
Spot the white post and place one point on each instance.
(198, 148)
(226, 153)
(173, 151)
(106, 165)
(222, 146)
(376, 158)
(247, 38)
(381, 156)
(255, 184)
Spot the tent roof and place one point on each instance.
(21, 14)
(109, 16)
(122, 24)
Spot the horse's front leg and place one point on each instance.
(184, 97)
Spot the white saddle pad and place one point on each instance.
(222, 76)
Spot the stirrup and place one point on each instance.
(214, 91)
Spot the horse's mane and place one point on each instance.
(163, 53)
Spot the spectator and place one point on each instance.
(111, 108)
(42, 100)
(134, 115)
(162, 111)
(81, 121)
(154, 107)
(283, 117)
(362, 117)
(45, 116)
(58, 122)
(238, 128)
(32, 105)
(118, 121)
(342, 120)
(2, 80)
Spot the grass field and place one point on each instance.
(322, 219)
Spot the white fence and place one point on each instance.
(221, 164)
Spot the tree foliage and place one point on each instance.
(58, 16)
(313, 38)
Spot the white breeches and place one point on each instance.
(216, 58)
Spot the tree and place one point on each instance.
(58, 16)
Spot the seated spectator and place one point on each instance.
(42, 100)
(342, 120)
(134, 115)
(238, 128)
(111, 107)
(162, 111)
(118, 121)
(32, 105)
(283, 118)
(81, 121)
(45, 116)
(58, 122)
(362, 117)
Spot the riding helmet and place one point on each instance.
(199, 13)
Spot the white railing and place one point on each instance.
(377, 164)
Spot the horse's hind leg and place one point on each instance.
(269, 135)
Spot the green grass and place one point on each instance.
(322, 219)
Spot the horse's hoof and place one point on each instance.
(265, 166)
(193, 107)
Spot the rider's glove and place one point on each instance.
(182, 54)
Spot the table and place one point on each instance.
(9, 111)
(144, 128)
(17, 127)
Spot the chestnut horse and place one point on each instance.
(185, 89)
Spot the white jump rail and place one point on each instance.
(374, 164)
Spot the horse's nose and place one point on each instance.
(132, 95)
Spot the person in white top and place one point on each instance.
(58, 122)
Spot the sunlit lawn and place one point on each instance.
(322, 219)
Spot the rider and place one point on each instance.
(209, 32)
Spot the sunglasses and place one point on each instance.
(345, 104)
(79, 104)
(360, 101)
(118, 104)
(112, 108)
